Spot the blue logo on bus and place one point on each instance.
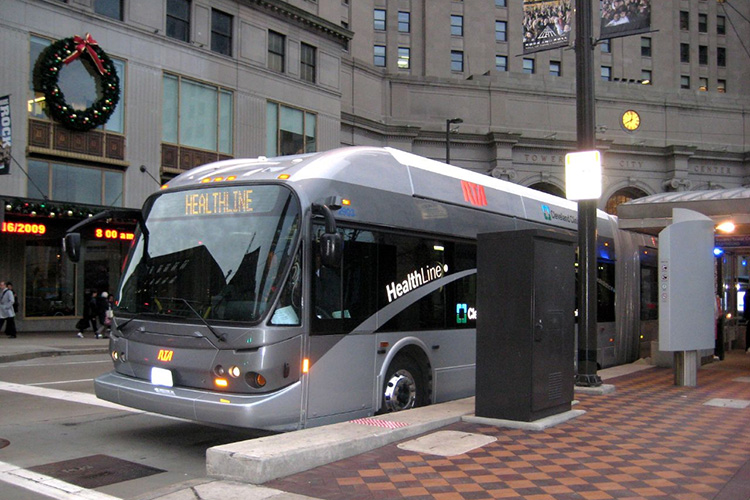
(547, 212)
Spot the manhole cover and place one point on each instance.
(4, 443)
(95, 471)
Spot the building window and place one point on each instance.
(606, 46)
(379, 56)
(457, 61)
(703, 23)
(197, 115)
(685, 52)
(645, 46)
(684, 82)
(78, 86)
(606, 73)
(721, 86)
(721, 57)
(646, 78)
(501, 31)
(75, 184)
(500, 3)
(703, 55)
(109, 8)
(404, 22)
(529, 66)
(307, 63)
(457, 25)
(721, 25)
(221, 32)
(276, 51)
(684, 20)
(404, 57)
(289, 130)
(555, 69)
(378, 16)
(703, 84)
(501, 63)
(178, 19)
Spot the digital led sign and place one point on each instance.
(112, 234)
(235, 201)
(23, 228)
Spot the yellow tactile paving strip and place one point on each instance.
(648, 440)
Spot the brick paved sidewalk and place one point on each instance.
(648, 440)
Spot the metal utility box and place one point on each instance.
(525, 324)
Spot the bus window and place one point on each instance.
(605, 296)
(288, 309)
(412, 263)
(344, 297)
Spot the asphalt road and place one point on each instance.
(52, 424)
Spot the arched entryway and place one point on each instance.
(621, 196)
(546, 187)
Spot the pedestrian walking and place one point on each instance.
(7, 314)
(89, 315)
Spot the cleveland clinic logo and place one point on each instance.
(547, 213)
(551, 215)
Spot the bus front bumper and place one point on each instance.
(278, 411)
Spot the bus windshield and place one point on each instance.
(219, 253)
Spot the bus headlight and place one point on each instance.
(234, 371)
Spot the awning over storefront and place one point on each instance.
(653, 213)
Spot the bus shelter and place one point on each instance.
(653, 213)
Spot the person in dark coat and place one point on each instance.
(89, 314)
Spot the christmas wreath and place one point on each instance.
(47, 71)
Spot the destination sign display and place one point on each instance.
(219, 202)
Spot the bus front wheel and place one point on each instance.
(404, 387)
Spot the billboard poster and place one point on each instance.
(5, 136)
(624, 17)
(546, 24)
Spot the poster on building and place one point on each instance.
(624, 17)
(546, 24)
(5, 136)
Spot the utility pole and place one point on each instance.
(586, 137)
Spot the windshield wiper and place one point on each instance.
(219, 337)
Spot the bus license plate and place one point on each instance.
(161, 376)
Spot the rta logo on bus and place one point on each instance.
(465, 313)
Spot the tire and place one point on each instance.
(404, 387)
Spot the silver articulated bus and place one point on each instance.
(291, 292)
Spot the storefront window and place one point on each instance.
(50, 280)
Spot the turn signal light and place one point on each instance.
(221, 382)
(255, 380)
(305, 365)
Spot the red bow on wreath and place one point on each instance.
(85, 44)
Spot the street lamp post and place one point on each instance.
(586, 135)
(448, 124)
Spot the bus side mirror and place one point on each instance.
(331, 250)
(72, 246)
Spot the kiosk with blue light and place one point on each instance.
(687, 299)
